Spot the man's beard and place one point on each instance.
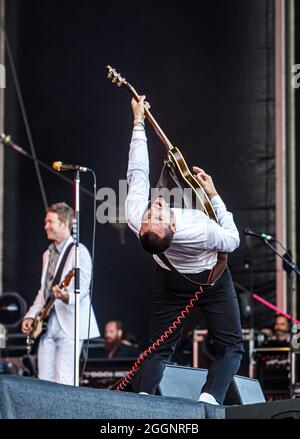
(109, 345)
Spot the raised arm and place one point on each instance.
(138, 169)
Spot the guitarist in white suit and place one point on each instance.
(56, 346)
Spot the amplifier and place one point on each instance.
(203, 351)
(272, 368)
(104, 373)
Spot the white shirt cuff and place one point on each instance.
(217, 201)
(139, 134)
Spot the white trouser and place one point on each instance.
(56, 354)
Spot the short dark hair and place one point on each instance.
(154, 244)
(118, 323)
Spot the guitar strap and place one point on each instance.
(213, 276)
(167, 173)
(56, 280)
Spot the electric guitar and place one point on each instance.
(39, 324)
(176, 160)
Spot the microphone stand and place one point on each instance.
(287, 261)
(7, 141)
(249, 267)
(76, 238)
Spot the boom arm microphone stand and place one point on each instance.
(249, 305)
(76, 238)
(6, 140)
(288, 261)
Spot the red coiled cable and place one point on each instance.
(125, 381)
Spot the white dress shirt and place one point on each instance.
(197, 239)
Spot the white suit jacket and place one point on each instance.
(65, 312)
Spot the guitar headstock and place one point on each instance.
(115, 77)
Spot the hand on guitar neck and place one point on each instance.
(138, 108)
(61, 293)
(206, 182)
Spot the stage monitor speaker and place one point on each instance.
(283, 409)
(244, 390)
(187, 382)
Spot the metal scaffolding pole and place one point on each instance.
(286, 231)
(2, 104)
(280, 147)
(291, 153)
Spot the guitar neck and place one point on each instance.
(152, 121)
(47, 307)
(50, 302)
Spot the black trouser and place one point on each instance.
(220, 308)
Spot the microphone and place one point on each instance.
(249, 232)
(60, 166)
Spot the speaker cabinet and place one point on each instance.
(244, 390)
(187, 382)
(284, 409)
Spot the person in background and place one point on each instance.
(278, 334)
(115, 345)
(281, 329)
(56, 346)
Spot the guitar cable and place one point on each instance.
(122, 384)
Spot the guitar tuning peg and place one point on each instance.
(109, 75)
(119, 84)
(114, 80)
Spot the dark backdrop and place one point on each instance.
(207, 69)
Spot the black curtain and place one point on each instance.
(208, 70)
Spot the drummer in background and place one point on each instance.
(279, 334)
(281, 329)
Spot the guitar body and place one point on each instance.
(37, 329)
(39, 325)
